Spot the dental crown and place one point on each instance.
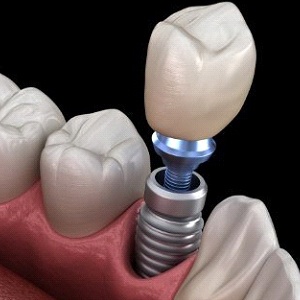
(200, 66)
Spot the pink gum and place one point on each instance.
(14, 287)
(94, 267)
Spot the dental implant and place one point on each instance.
(199, 70)
(169, 226)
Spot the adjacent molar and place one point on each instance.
(200, 67)
(91, 171)
(239, 257)
(27, 117)
(7, 89)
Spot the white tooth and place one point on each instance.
(7, 89)
(279, 279)
(27, 117)
(91, 171)
(200, 66)
(237, 240)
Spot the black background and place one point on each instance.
(88, 58)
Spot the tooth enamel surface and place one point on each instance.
(200, 66)
(239, 257)
(7, 89)
(27, 117)
(278, 279)
(91, 171)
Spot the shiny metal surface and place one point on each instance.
(175, 204)
(159, 246)
(181, 158)
(169, 225)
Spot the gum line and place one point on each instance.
(94, 267)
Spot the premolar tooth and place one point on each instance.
(27, 117)
(237, 240)
(200, 66)
(279, 279)
(91, 171)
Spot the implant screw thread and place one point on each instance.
(176, 181)
(159, 248)
(181, 158)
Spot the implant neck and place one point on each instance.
(171, 203)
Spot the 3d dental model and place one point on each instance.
(200, 67)
(71, 190)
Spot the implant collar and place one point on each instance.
(172, 204)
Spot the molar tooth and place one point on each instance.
(27, 117)
(91, 171)
(7, 89)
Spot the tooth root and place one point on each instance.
(91, 171)
(200, 66)
(27, 117)
(237, 240)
